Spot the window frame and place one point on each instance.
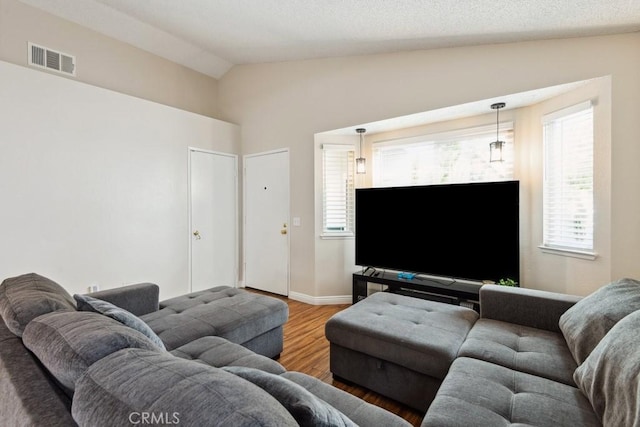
(550, 243)
(350, 185)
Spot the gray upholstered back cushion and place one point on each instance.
(27, 395)
(610, 377)
(25, 297)
(87, 303)
(589, 320)
(67, 343)
(133, 381)
(307, 409)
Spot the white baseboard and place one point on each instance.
(329, 300)
(308, 299)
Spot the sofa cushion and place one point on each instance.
(589, 320)
(219, 352)
(25, 297)
(610, 377)
(230, 313)
(133, 382)
(476, 393)
(87, 303)
(28, 396)
(531, 350)
(306, 409)
(68, 342)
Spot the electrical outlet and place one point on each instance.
(94, 288)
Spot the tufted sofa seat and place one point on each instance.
(245, 318)
(525, 349)
(479, 393)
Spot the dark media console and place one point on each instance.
(441, 290)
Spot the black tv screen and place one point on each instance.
(464, 231)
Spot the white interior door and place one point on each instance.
(266, 227)
(213, 218)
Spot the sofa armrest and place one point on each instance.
(139, 299)
(527, 307)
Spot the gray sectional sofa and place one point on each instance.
(120, 358)
(547, 359)
(530, 357)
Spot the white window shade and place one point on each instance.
(338, 189)
(568, 179)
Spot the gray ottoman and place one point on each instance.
(398, 346)
(252, 320)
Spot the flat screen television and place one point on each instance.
(461, 231)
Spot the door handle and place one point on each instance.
(197, 235)
(284, 231)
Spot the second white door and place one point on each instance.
(266, 227)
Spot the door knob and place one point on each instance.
(197, 235)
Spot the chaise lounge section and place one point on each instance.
(251, 320)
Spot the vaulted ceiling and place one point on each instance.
(211, 36)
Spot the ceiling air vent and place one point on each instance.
(49, 59)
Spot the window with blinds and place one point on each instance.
(338, 189)
(451, 157)
(568, 179)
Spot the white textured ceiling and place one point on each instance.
(211, 36)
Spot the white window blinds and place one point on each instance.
(452, 157)
(338, 189)
(568, 178)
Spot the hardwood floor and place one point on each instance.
(307, 350)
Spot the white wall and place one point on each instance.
(93, 183)
(286, 104)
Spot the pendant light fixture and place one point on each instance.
(496, 148)
(361, 162)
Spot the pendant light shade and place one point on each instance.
(361, 162)
(496, 148)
